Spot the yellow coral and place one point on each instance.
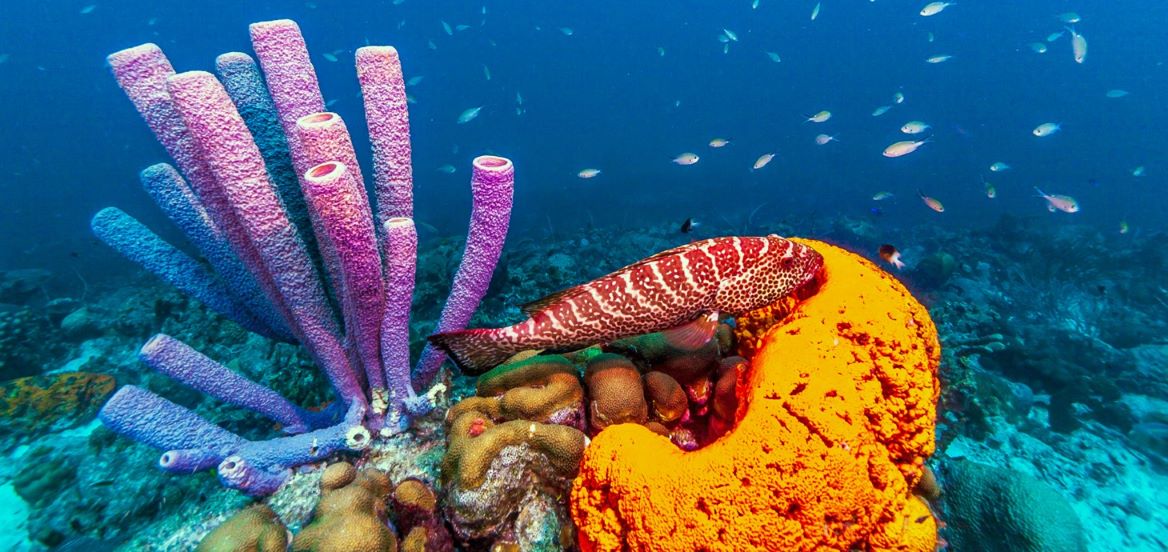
(542, 389)
(349, 518)
(254, 529)
(837, 417)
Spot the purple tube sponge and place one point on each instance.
(492, 186)
(334, 199)
(253, 159)
(225, 141)
(245, 84)
(155, 421)
(192, 443)
(261, 467)
(383, 87)
(142, 72)
(178, 360)
(282, 54)
(401, 250)
(325, 138)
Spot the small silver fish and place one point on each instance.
(469, 115)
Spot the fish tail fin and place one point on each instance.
(921, 194)
(1040, 192)
(474, 351)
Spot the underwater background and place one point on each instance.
(1052, 312)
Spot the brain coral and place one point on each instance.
(998, 510)
(836, 419)
(509, 460)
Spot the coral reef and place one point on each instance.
(38, 404)
(1004, 303)
(284, 250)
(351, 515)
(509, 460)
(996, 510)
(254, 529)
(836, 423)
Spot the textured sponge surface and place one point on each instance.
(836, 418)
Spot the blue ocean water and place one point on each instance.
(604, 98)
(625, 87)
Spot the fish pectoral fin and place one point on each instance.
(695, 334)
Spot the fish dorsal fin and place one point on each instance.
(539, 304)
(658, 256)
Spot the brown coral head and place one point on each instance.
(256, 528)
(415, 494)
(616, 392)
(337, 475)
(927, 486)
(666, 396)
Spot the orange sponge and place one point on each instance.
(835, 419)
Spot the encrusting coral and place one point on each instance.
(38, 403)
(834, 421)
(509, 458)
(542, 388)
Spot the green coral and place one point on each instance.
(998, 510)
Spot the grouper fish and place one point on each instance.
(684, 288)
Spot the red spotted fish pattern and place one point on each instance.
(731, 275)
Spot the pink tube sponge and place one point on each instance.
(283, 56)
(380, 73)
(142, 72)
(492, 186)
(401, 250)
(335, 205)
(325, 138)
(239, 170)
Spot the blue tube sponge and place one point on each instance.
(183, 207)
(245, 85)
(191, 443)
(260, 467)
(137, 243)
